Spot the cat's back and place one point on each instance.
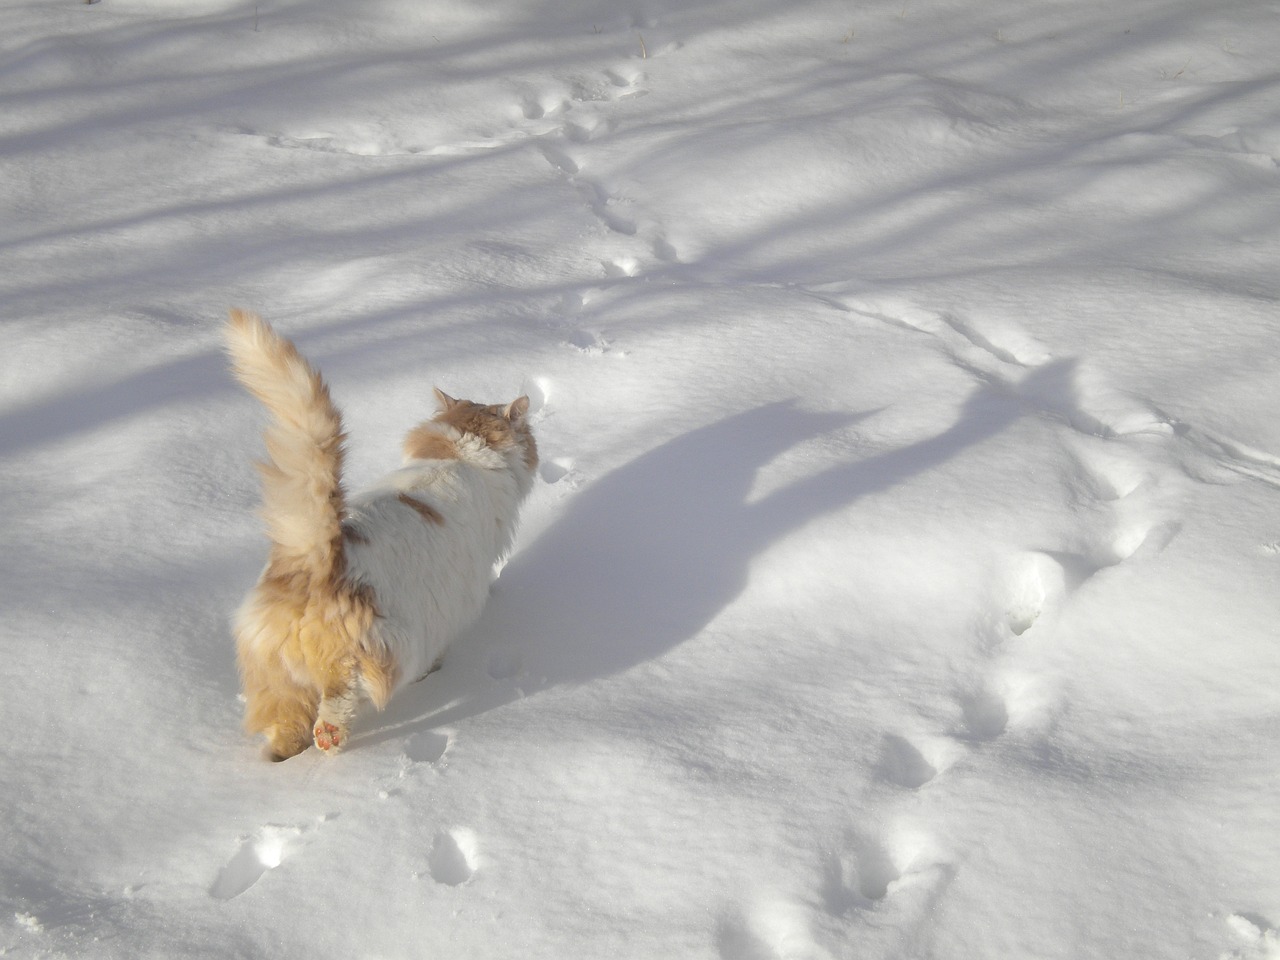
(423, 541)
(441, 508)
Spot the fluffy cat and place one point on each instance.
(361, 594)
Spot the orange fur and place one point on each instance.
(498, 425)
(426, 442)
(299, 639)
(305, 646)
(301, 479)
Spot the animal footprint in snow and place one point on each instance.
(534, 109)
(262, 852)
(588, 342)
(504, 664)
(985, 713)
(1028, 701)
(621, 266)
(427, 747)
(553, 471)
(1140, 540)
(874, 868)
(1104, 473)
(1038, 579)
(558, 159)
(624, 80)
(902, 764)
(735, 940)
(861, 878)
(539, 106)
(772, 928)
(664, 251)
(452, 860)
(1259, 940)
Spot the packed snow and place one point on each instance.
(901, 576)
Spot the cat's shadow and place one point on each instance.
(647, 556)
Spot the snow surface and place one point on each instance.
(901, 578)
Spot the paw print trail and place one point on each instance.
(567, 125)
(1113, 504)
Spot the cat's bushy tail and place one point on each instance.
(302, 495)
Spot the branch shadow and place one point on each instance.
(644, 559)
(935, 221)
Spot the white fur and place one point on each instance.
(431, 581)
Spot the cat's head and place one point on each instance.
(502, 427)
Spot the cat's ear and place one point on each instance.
(446, 402)
(518, 409)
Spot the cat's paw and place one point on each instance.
(284, 742)
(329, 738)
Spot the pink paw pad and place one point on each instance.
(327, 735)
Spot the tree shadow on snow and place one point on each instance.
(645, 558)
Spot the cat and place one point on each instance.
(362, 593)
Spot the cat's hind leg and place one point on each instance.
(283, 712)
(343, 685)
(333, 720)
(362, 676)
(333, 639)
(291, 735)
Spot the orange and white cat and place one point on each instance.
(362, 594)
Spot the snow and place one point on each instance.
(901, 576)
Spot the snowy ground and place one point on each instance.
(901, 581)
